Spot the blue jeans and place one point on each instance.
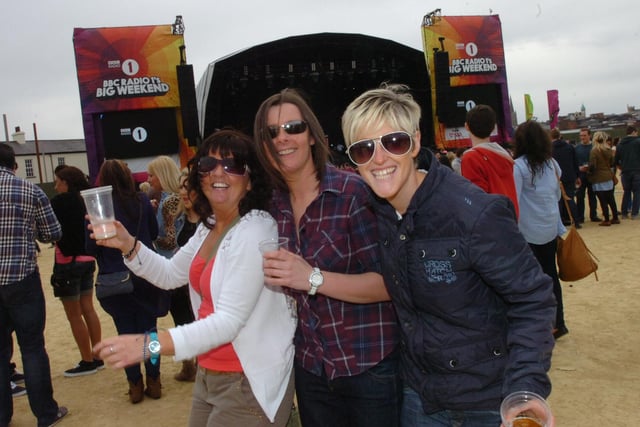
(631, 194)
(22, 309)
(369, 399)
(414, 416)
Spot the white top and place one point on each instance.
(253, 316)
(539, 219)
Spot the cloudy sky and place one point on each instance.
(588, 50)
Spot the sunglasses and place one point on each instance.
(230, 165)
(293, 127)
(395, 143)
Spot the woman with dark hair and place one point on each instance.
(75, 290)
(537, 175)
(346, 366)
(243, 335)
(138, 311)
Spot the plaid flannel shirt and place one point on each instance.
(25, 215)
(338, 233)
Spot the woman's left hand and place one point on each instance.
(122, 350)
(284, 268)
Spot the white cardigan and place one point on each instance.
(253, 316)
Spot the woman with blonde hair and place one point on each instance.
(164, 178)
(601, 173)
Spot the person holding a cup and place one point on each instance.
(346, 366)
(475, 309)
(243, 332)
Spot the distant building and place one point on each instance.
(37, 166)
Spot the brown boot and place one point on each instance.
(136, 391)
(188, 372)
(154, 387)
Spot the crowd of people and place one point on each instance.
(417, 289)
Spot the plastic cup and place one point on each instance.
(525, 409)
(273, 244)
(100, 210)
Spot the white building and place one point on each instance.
(37, 165)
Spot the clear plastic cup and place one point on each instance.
(273, 244)
(99, 205)
(525, 409)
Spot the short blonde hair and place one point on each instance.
(390, 104)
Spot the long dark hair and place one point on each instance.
(533, 142)
(117, 174)
(265, 148)
(76, 179)
(230, 143)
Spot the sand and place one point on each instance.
(595, 371)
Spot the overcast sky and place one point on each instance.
(588, 50)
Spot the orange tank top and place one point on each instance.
(224, 357)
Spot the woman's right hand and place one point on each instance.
(123, 241)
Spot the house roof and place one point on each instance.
(57, 146)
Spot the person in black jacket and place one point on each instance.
(627, 159)
(565, 155)
(76, 294)
(475, 309)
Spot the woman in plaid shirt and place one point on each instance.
(346, 366)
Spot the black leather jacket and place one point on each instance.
(475, 309)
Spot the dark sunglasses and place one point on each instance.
(230, 165)
(293, 127)
(395, 143)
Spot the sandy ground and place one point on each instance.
(595, 371)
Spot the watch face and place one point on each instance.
(154, 347)
(316, 279)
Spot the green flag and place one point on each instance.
(528, 107)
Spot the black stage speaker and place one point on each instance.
(138, 133)
(444, 103)
(188, 107)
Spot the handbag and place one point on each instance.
(575, 260)
(65, 279)
(110, 284)
(118, 283)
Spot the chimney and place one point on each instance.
(18, 136)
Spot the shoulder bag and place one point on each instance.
(118, 283)
(575, 260)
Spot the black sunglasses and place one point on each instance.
(395, 143)
(293, 127)
(230, 165)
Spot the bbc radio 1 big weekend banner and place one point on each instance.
(127, 68)
(476, 57)
(124, 69)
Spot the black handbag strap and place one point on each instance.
(139, 221)
(565, 198)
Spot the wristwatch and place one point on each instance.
(154, 347)
(316, 279)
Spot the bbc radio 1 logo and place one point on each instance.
(138, 134)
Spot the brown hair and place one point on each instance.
(265, 148)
